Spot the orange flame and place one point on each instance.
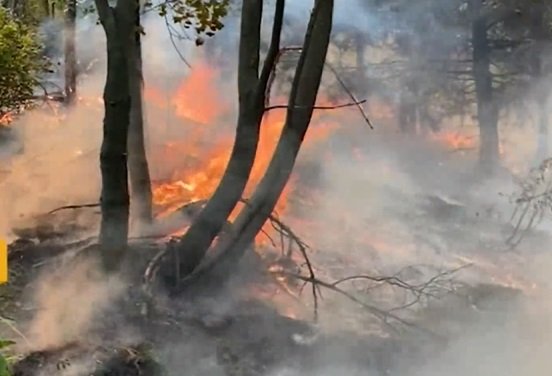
(6, 119)
(204, 154)
(456, 140)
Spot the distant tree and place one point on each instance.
(70, 51)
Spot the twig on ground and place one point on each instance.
(67, 207)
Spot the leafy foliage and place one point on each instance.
(202, 16)
(20, 62)
(4, 366)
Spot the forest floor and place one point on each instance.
(67, 320)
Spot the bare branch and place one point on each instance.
(334, 107)
(274, 48)
(351, 95)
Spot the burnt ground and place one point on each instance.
(231, 331)
(222, 332)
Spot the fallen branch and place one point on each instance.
(67, 207)
(531, 203)
(284, 230)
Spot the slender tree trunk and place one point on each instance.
(70, 52)
(407, 111)
(542, 146)
(140, 180)
(113, 157)
(487, 110)
(302, 100)
(539, 34)
(251, 89)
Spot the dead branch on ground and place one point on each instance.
(532, 202)
(68, 207)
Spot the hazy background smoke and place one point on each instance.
(367, 210)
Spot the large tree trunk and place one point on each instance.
(113, 157)
(487, 110)
(251, 90)
(301, 103)
(70, 52)
(140, 180)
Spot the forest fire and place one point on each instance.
(456, 140)
(6, 119)
(202, 157)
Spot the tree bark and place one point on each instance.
(252, 91)
(113, 155)
(46, 7)
(70, 52)
(487, 110)
(140, 180)
(301, 103)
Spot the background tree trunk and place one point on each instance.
(113, 157)
(302, 100)
(70, 52)
(251, 90)
(46, 7)
(407, 110)
(487, 110)
(538, 30)
(140, 180)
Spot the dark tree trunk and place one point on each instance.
(251, 88)
(113, 157)
(140, 180)
(302, 99)
(487, 110)
(70, 52)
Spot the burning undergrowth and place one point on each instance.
(388, 226)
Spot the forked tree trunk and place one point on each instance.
(251, 90)
(301, 103)
(113, 157)
(487, 110)
(140, 181)
(70, 52)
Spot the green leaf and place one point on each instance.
(4, 368)
(6, 343)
